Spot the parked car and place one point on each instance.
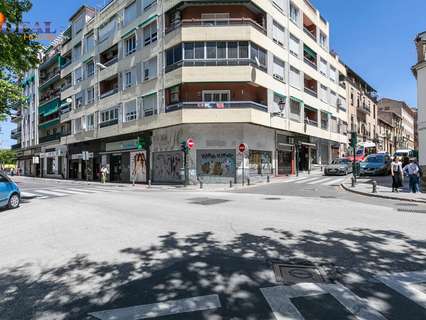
(376, 164)
(10, 195)
(339, 166)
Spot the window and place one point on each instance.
(294, 77)
(128, 79)
(278, 69)
(79, 100)
(221, 50)
(216, 95)
(174, 55)
(109, 115)
(232, 50)
(189, 50)
(89, 42)
(130, 45)
(258, 56)
(280, 4)
(130, 13)
(149, 104)
(295, 109)
(243, 49)
(323, 68)
(90, 68)
(278, 103)
(323, 93)
(76, 52)
(90, 94)
(211, 50)
(130, 110)
(333, 99)
(294, 13)
(174, 94)
(77, 125)
(278, 33)
(294, 46)
(106, 30)
(323, 39)
(77, 75)
(333, 74)
(90, 121)
(150, 69)
(78, 24)
(150, 33)
(199, 50)
(324, 120)
(147, 4)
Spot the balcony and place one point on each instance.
(49, 96)
(364, 108)
(109, 56)
(311, 116)
(16, 146)
(310, 57)
(50, 77)
(16, 117)
(50, 122)
(311, 86)
(309, 28)
(217, 105)
(52, 137)
(108, 123)
(108, 87)
(50, 57)
(15, 133)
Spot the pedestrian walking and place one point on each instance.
(396, 171)
(104, 173)
(412, 170)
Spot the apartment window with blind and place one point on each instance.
(79, 100)
(106, 30)
(279, 69)
(150, 33)
(278, 34)
(294, 45)
(130, 45)
(128, 79)
(130, 13)
(78, 25)
(150, 69)
(323, 68)
(109, 115)
(323, 94)
(333, 75)
(333, 98)
(90, 69)
(149, 105)
(76, 52)
(90, 95)
(90, 121)
(77, 125)
(130, 110)
(295, 78)
(89, 42)
(294, 13)
(78, 75)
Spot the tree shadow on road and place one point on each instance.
(187, 266)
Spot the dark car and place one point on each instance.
(340, 166)
(376, 164)
(10, 195)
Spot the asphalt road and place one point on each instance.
(291, 250)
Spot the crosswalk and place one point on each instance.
(317, 180)
(45, 193)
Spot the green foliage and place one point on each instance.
(7, 156)
(18, 53)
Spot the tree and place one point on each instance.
(7, 156)
(19, 52)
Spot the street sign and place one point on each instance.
(242, 147)
(190, 143)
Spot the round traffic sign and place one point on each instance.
(190, 143)
(242, 147)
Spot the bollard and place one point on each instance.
(149, 183)
(201, 184)
(353, 182)
(268, 179)
(374, 183)
(248, 181)
(230, 183)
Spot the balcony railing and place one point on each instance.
(311, 92)
(108, 93)
(52, 137)
(108, 123)
(216, 105)
(66, 63)
(111, 61)
(309, 33)
(50, 78)
(311, 122)
(310, 63)
(216, 23)
(212, 62)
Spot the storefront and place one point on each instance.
(53, 162)
(168, 166)
(216, 165)
(260, 163)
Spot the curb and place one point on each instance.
(379, 196)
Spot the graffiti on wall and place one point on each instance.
(138, 166)
(216, 163)
(168, 166)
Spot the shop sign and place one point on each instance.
(78, 156)
(51, 154)
(122, 145)
(138, 166)
(36, 160)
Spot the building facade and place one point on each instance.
(127, 84)
(362, 101)
(419, 71)
(403, 117)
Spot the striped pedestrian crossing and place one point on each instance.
(326, 181)
(61, 192)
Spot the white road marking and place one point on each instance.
(82, 190)
(402, 283)
(51, 193)
(70, 191)
(279, 300)
(27, 194)
(320, 181)
(294, 179)
(308, 180)
(334, 182)
(155, 310)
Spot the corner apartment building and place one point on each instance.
(139, 77)
(362, 101)
(419, 71)
(402, 116)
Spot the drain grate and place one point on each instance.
(271, 198)
(207, 201)
(290, 274)
(411, 210)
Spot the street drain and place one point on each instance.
(290, 274)
(411, 210)
(207, 201)
(272, 198)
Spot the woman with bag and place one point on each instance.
(396, 171)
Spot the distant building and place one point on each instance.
(403, 117)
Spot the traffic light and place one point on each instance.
(353, 140)
(141, 143)
(184, 147)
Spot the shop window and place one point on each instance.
(260, 162)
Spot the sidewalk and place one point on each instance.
(365, 187)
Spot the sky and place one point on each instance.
(375, 38)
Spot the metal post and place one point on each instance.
(374, 183)
(201, 184)
(186, 168)
(149, 183)
(230, 183)
(268, 179)
(244, 176)
(353, 181)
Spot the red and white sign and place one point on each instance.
(242, 147)
(190, 143)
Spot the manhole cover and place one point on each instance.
(411, 210)
(272, 198)
(296, 273)
(208, 201)
(327, 197)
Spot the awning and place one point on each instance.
(312, 145)
(310, 108)
(49, 108)
(296, 99)
(50, 123)
(309, 52)
(150, 19)
(281, 96)
(128, 33)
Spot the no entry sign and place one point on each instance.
(190, 143)
(242, 147)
